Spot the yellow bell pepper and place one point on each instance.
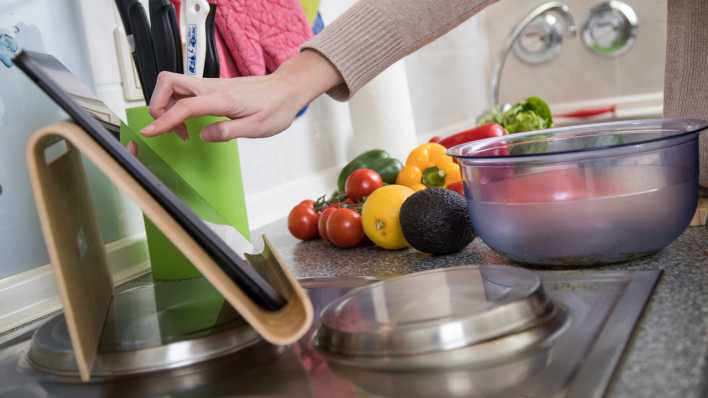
(428, 165)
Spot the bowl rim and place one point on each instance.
(693, 126)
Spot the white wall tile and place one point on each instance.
(448, 79)
(313, 142)
(578, 74)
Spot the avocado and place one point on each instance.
(436, 221)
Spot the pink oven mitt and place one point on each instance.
(227, 67)
(253, 37)
(261, 34)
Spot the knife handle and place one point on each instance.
(211, 62)
(176, 38)
(123, 7)
(144, 54)
(195, 14)
(163, 37)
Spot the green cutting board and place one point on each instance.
(207, 176)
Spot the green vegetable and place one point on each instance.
(543, 143)
(530, 114)
(536, 145)
(608, 140)
(541, 108)
(375, 159)
(493, 116)
(433, 177)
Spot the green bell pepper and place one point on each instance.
(375, 159)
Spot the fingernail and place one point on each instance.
(148, 129)
(207, 135)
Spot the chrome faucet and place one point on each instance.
(551, 36)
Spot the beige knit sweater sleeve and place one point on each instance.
(373, 34)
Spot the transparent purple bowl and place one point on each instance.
(583, 195)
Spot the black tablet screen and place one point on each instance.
(60, 84)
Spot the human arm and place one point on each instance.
(373, 34)
(257, 106)
(364, 41)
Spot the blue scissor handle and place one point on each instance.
(8, 48)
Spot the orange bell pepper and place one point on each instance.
(428, 166)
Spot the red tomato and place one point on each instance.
(344, 228)
(361, 183)
(322, 224)
(435, 139)
(302, 220)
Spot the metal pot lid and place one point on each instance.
(433, 311)
(149, 327)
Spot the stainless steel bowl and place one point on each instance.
(583, 195)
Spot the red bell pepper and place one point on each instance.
(457, 187)
(477, 133)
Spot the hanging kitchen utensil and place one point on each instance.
(211, 61)
(137, 29)
(165, 36)
(194, 16)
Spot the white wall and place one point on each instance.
(26, 109)
(448, 79)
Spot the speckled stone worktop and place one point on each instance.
(668, 353)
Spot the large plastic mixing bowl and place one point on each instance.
(583, 195)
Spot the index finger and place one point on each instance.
(181, 110)
(168, 84)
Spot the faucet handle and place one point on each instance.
(541, 39)
(543, 34)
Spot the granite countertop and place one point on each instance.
(667, 354)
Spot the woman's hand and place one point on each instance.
(258, 106)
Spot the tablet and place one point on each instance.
(63, 87)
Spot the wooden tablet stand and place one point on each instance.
(78, 257)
